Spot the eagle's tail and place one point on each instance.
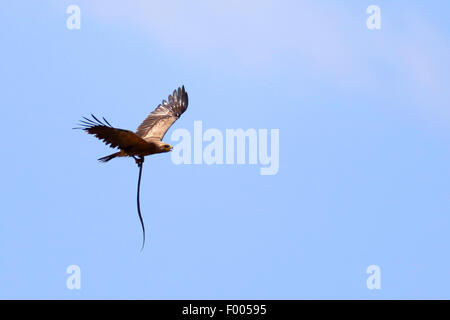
(111, 156)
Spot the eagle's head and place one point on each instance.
(166, 147)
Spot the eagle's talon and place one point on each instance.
(139, 161)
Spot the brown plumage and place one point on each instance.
(148, 138)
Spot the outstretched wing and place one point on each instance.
(115, 138)
(161, 119)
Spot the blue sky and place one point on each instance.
(364, 154)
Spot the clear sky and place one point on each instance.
(364, 150)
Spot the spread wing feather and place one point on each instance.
(114, 137)
(161, 119)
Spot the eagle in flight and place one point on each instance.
(147, 139)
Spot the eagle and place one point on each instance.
(147, 139)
